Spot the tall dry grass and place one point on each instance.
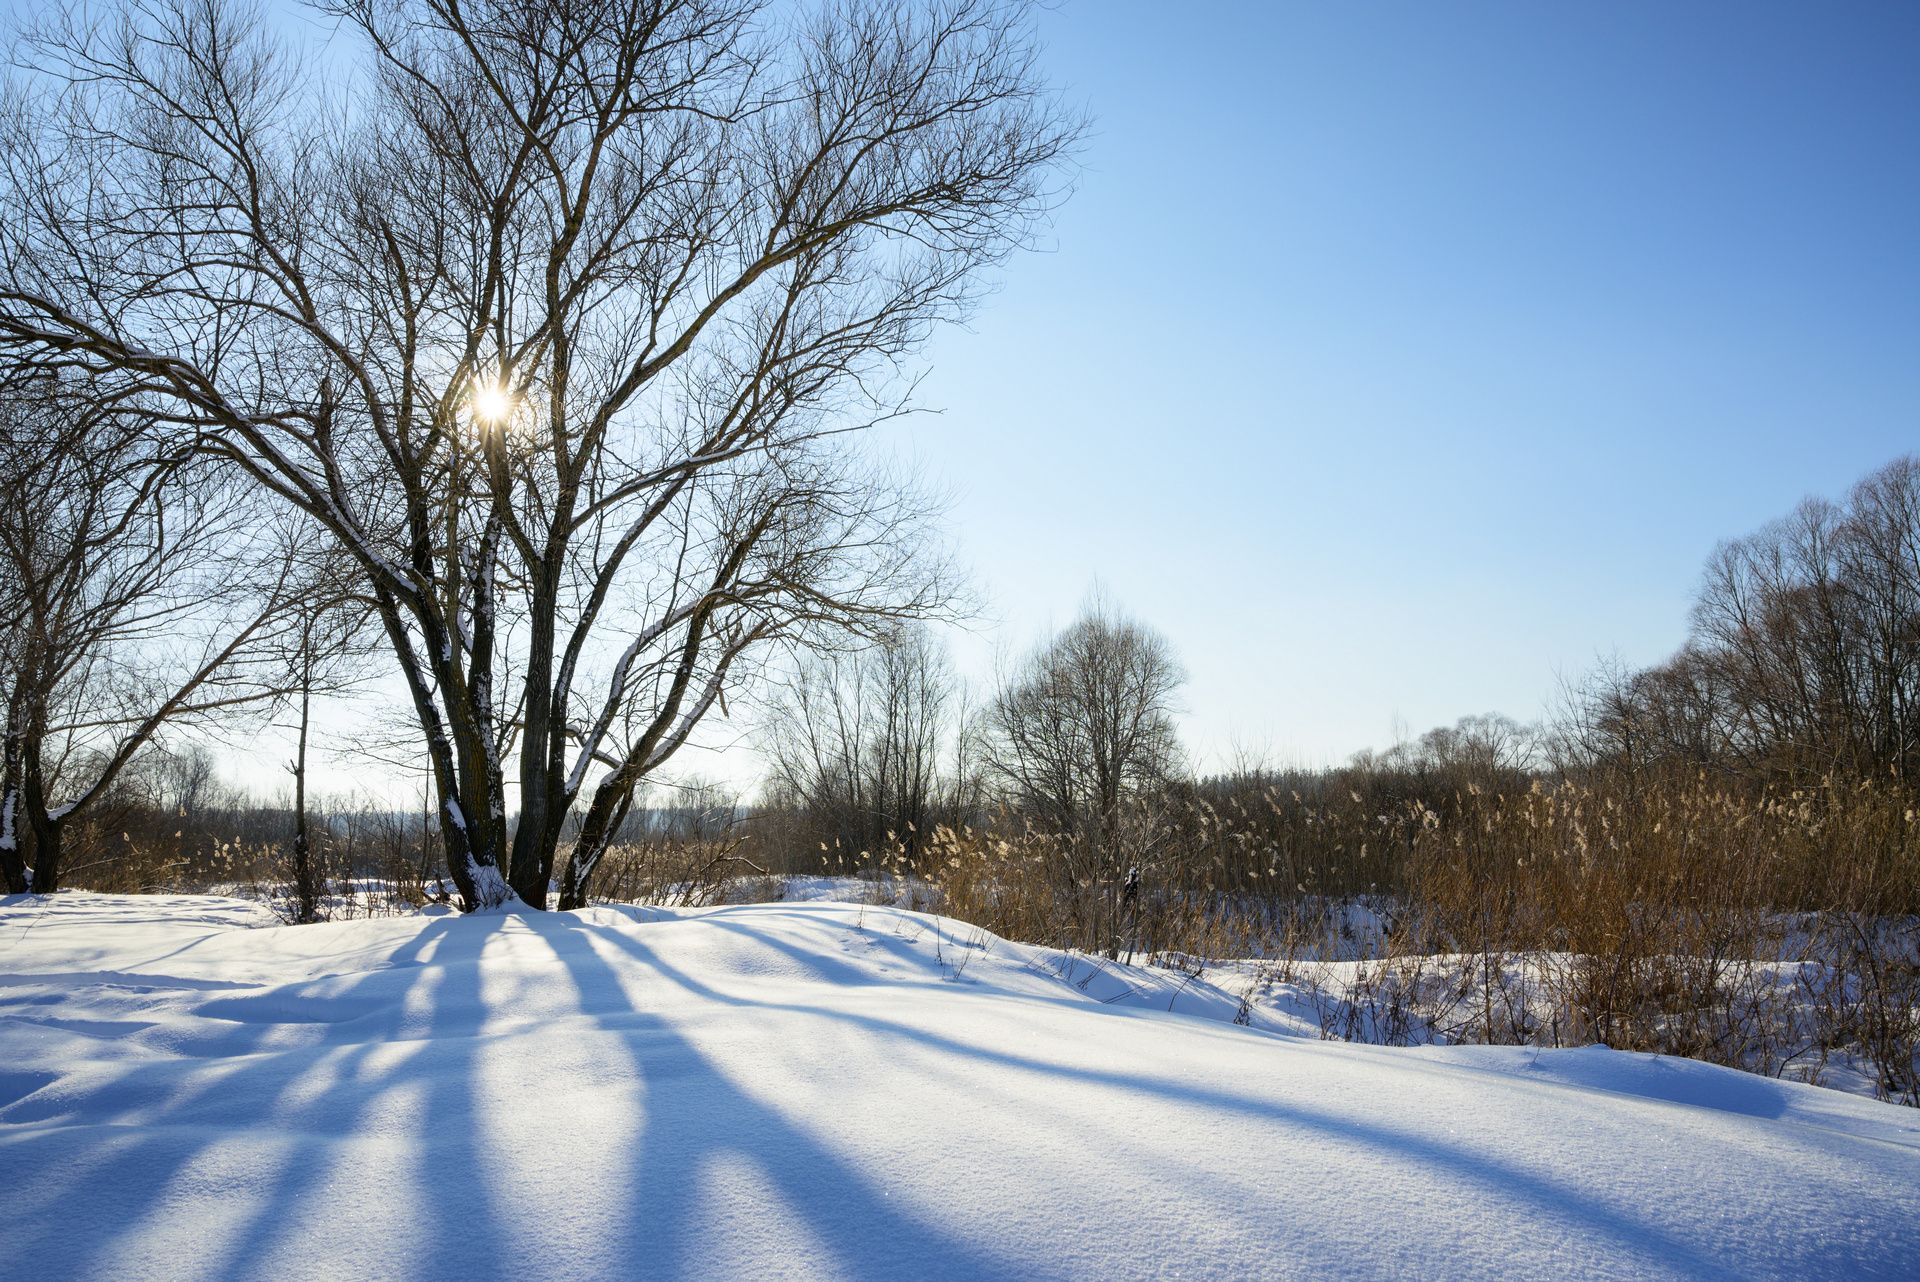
(1778, 932)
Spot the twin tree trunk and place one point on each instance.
(489, 863)
(474, 822)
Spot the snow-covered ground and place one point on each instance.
(1332, 974)
(802, 1090)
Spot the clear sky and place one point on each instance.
(1393, 359)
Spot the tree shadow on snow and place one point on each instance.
(715, 1164)
(138, 1177)
(1559, 1203)
(695, 1119)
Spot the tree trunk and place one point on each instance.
(13, 865)
(47, 829)
(13, 862)
(471, 859)
(531, 867)
(306, 888)
(48, 834)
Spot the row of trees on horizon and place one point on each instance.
(1802, 664)
(876, 746)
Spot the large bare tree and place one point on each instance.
(555, 314)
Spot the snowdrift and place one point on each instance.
(825, 1091)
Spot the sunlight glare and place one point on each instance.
(492, 403)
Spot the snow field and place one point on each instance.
(820, 1090)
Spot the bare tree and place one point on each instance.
(1880, 559)
(182, 779)
(1803, 658)
(139, 589)
(1087, 721)
(327, 650)
(555, 316)
(1487, 750)
(868, 745)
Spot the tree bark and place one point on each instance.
(305, 886)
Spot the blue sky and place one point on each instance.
(1394, 359)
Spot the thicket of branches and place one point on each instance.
(552, 318)
(142, 591)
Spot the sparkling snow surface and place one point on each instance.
(817, 1090)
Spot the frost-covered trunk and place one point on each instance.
(30, 837)
(472, 845)
(13, 864)
(597, 827)
(596, 835)
(669, 728)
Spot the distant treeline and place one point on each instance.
(1800, 679)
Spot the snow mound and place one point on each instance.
(821, 1090)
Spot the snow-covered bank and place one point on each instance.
(1818, 998)
(821, 1090)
